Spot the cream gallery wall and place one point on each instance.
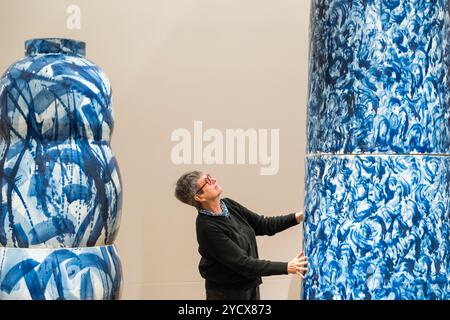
(218, 86)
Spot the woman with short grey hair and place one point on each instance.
(226, 235)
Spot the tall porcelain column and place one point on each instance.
(61, 191)
(378, 165)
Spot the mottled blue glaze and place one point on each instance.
(53, 274)
(377, 227)
(60, 183)
(379, 77)
(55, 45)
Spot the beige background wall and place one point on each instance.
(228, 63)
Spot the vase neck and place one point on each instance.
(55, 45)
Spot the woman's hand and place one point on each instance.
(298, 265)
(300, 216)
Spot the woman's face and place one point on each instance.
(209, 187)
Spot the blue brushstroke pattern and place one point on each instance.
(377, 227)
(49, 229)
(60, 273)
(61, 186)
(55, 45)
(379, 77)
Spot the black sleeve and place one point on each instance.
(266, 225)
(215, 242)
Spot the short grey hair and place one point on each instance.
(186, 187)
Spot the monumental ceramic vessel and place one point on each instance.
(53, 274)
(378, 178)
(61, 186)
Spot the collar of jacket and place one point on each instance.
(225, 213)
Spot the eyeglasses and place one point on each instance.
(208, 180)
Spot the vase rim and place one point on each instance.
(37, 46)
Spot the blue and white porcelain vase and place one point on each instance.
(377, 222)
(61, 193)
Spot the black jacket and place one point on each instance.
(228, 247)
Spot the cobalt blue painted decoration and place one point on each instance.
(89, 273)
(378, 227)
(379, 77)
(377, 182)
(57, 46)
(60, 182)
